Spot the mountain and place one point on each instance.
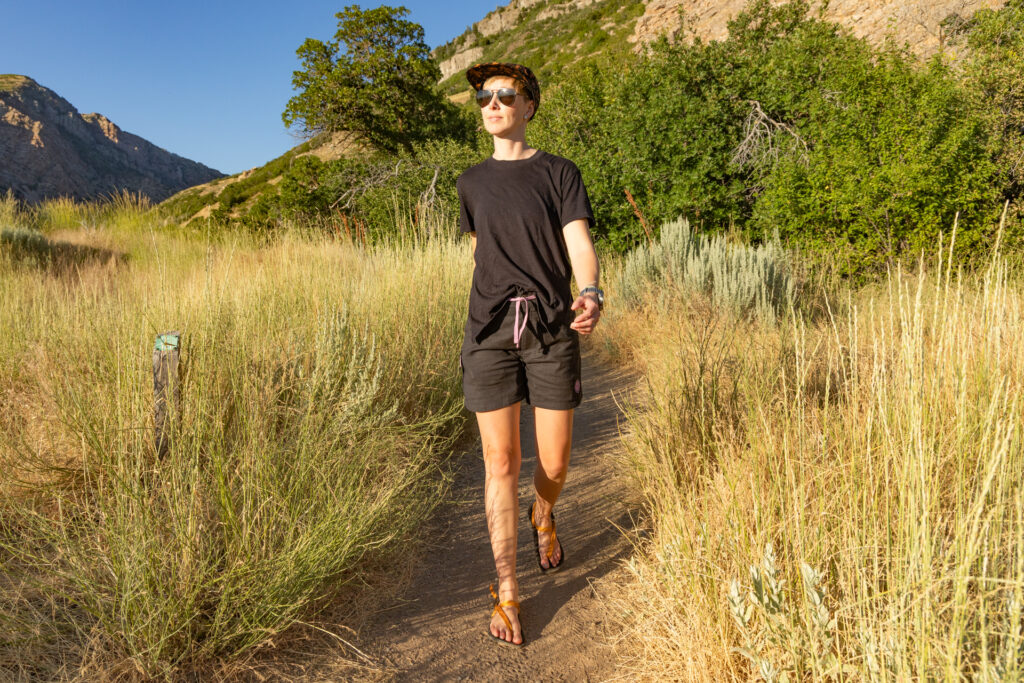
(48, 149)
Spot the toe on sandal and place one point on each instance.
(498, 605)
(551, 544)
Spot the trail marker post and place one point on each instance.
(166, 378)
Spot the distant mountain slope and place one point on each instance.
(48, 149)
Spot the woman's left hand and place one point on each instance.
(587, 320)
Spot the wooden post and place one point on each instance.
(165, 387)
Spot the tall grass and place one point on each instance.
(835, 501)
(117, 213)
(318, 393)
(9, 210)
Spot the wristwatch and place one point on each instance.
(600, 295)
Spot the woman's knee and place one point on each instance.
(501, 460)
(554, 468)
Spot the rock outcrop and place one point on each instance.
(917, 22)
(503, 18)
(48, 149)
(460, 61)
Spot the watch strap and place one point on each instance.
(598, 292)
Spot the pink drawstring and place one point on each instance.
(518, 331)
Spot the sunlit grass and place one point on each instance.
(319, 391)
(839, 500)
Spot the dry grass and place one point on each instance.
(318, 397)
(839, 500)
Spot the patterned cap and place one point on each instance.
(478, 75)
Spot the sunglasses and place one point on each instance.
(506, 96)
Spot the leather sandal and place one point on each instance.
(498, 605)
(551, 544)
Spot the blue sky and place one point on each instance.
(206, 80)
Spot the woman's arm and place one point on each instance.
(472, 236)
(586, 270)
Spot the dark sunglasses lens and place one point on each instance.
(506, 96)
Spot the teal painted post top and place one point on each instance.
(167, 341)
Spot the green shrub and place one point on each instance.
(889, 154)
(382, 191)
(993, 74)
(426, 180)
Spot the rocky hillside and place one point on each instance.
(919, 23)
(548, 34)
(48, 149)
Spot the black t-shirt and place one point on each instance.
(517, 210)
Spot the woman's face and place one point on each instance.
(502, 120)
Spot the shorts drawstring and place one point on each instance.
(517, 331)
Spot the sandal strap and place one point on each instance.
(545, 529)
(498, 604)
(551, 529)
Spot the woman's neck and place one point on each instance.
(512, 149)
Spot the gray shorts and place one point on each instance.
(496, 374)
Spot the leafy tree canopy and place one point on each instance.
(376, 79)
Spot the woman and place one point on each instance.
(529, 217)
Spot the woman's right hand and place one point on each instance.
(586, 321)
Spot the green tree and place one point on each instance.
(376, 79)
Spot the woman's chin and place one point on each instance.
(501, 130)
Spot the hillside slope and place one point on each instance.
(48, 149)
(918, 23)
(547, 35)
(201, 200)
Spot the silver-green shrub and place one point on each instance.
(783, 637)
(750, 280)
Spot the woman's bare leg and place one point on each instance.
(554, 443)
(499, 435)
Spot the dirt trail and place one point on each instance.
(437, 629)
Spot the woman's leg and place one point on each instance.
(499, 434)
(554, 443)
